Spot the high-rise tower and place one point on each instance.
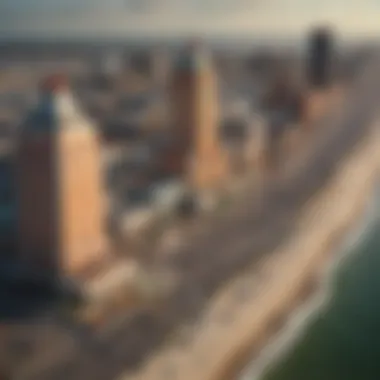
(195, 104)
(59, 185)
(319, 75)
(320, 58)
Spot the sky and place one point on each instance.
(80, 18)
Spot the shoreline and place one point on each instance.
(303, 316)
(220, 352)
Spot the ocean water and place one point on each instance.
(336, 336)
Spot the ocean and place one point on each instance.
(336, 335)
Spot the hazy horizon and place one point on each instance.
(70, 19)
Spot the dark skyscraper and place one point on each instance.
(320, 58)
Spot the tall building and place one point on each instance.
(320, 58)
(195, 102)
(319, 76)
(60, 190)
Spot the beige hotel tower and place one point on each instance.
(195, 101)
(61, 203)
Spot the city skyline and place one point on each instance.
(168, 18)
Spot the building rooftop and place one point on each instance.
(194, 57)
(55, 108)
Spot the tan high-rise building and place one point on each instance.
(61, 214)
(195, 101)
